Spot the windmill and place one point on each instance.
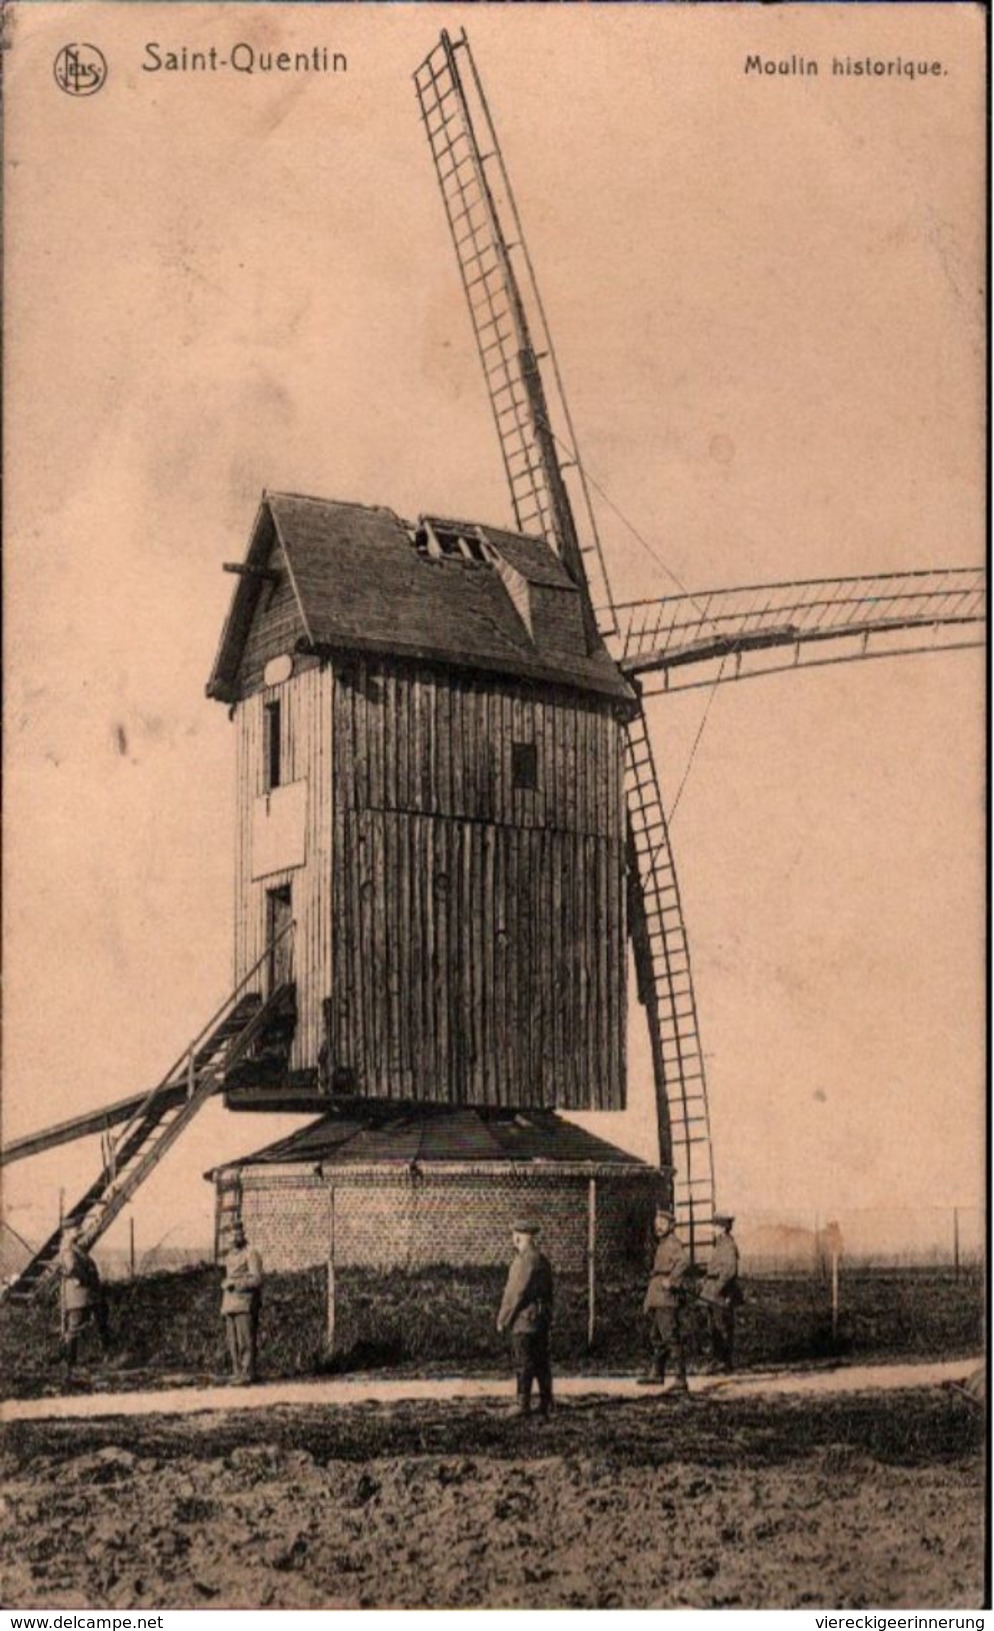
(660, 644)
(433, 718)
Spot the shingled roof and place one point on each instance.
(374, 1134)
(364, 581)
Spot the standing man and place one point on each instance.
(721, 1293)
(240, 1304)
(83, 1300)
(665, 1303)
(526, 1314)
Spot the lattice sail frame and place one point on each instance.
(533, 425)
(666, 990)
(549, 493)
(681, 641)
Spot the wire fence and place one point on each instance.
(951, 1237)
(130, 1262)
(770, 1243)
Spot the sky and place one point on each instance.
(766, 298)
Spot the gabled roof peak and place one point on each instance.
(366, 580)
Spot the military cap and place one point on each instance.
(723, 1219)
(525, 1226)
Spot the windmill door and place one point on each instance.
(279, 936)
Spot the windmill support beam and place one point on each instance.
(152, 1130)
(244, 569)
(171, 1091)
(85, 1126)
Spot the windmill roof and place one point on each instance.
(362, 583)
(375, 1134)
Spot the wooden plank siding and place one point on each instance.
(440, 744)
(275, 628)
(305, 751)
(469, 934)
(433, 1007)
(477, 944)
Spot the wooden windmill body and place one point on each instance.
(430, 787)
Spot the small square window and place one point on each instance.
(524, 765)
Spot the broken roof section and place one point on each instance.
(369, 1135)
(447, 592)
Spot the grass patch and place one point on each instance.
(441, 1321)
(913, 1428)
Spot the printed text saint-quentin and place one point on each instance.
(242, 58)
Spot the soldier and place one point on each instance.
(83, 1300)
(665, 1302)
(526, 1313)
(240, 1304)
(721, 1294)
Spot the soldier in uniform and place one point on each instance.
(721, 1294)
(526, 1314)
(240, 1304)
(665, 1303)
(83, 1301)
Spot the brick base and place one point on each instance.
(391, 1217)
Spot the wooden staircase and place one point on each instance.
(153, 1127)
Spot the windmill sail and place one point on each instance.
(682, 641)
(666, 990)
(549, 494)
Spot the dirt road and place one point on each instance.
(379, 1390)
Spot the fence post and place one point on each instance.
(956, 1242)
(591, 1260)
(329, 1332)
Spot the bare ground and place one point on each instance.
(841, 1502)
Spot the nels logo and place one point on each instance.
(80, 70)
